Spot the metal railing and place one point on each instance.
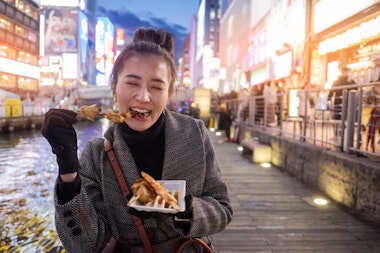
(352, 125)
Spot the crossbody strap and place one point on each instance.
(124, 188)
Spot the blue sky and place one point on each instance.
(172, 15)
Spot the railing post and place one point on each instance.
(351, 111)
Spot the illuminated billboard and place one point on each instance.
(105, 49)
(60, 26)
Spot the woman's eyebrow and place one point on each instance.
(158, 80)
(132, 76)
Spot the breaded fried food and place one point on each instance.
(161, 191)
(115, 117)
(89, 111)
(142, 192)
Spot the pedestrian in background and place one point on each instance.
(270, 99)
(89, 205)
(225, 121)
(336, 95)
(372, 97)
(305, 109)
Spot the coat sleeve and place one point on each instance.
(81, 222)
(211, 208)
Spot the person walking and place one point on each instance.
(305, 110)
(372, 97)
(336, 96)
(343, 79)
(225, 121)
(270, 100)
(90, 207)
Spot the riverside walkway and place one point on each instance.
(274, 213)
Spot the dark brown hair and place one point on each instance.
(147, 41)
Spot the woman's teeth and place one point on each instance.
(139, 113)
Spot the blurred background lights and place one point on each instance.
(320, 201)
(265, 165)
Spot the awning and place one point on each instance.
(7, 94)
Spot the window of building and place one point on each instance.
(19, 42)
(27, 58)
(24, 83)
(26, 8)
(21, 31)
(6, 24)
(7, 80)
(212, 14)
(7, 52)
(26, 34)
(11, 2)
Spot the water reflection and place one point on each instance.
(28, 171)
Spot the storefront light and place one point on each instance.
(350, 37)
(265, 165)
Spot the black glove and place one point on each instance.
(58, 130)
(188, 213)
(141, 214)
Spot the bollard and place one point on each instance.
(211, 123)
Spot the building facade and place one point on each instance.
(19, 52)
(293, 42)
(348, 39)
(67, 43)
(205, 72)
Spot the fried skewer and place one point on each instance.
(161, 191)
(92, 111)
(89, 111)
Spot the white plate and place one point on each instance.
(171, 186)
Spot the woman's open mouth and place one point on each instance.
(139, 113)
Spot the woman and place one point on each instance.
(90, 208)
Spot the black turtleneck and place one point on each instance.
(148, 147)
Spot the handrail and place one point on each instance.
(317, 127)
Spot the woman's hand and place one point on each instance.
(59, 132)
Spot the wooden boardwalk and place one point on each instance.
(273, 213)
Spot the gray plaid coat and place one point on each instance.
(87, 222)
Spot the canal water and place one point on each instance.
(27, 175)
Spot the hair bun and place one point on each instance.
(159, 37)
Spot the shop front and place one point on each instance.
(353, 42)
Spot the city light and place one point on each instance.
(320, 201)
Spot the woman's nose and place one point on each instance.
(143, 95)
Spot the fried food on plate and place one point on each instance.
(161, 191)
(89, 111)
(142, 192)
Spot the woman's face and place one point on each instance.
(143, 86)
